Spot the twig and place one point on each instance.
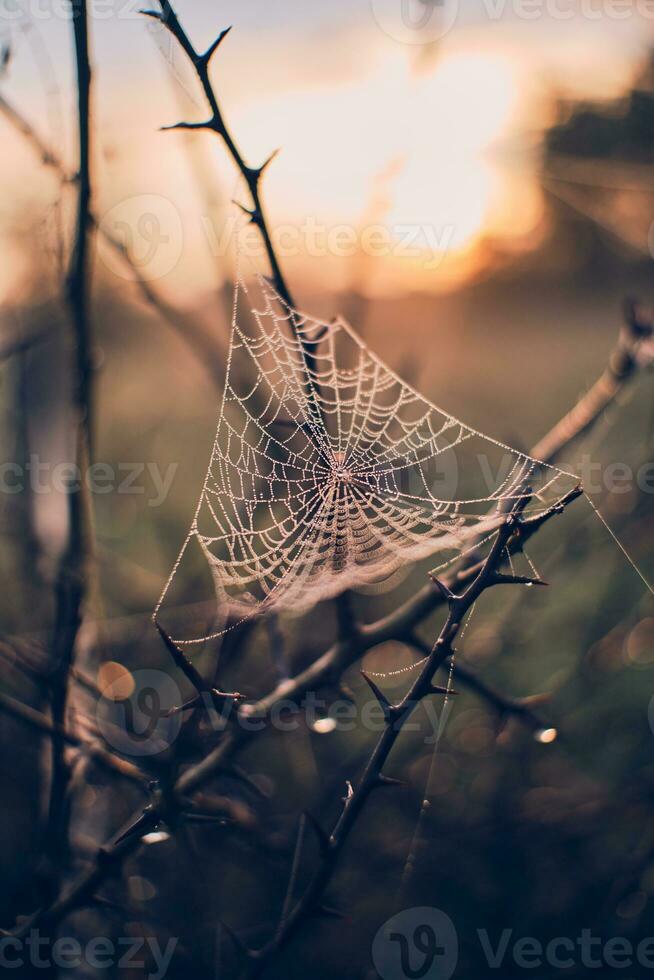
(71, 584)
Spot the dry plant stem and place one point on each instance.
(71, 577)
(395, 716)
(108, 862)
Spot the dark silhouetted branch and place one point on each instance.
(71, 582)
(395, 716)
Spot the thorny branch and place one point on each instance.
(395, 715)
(251, 175)
(327, 670)
(172, 806)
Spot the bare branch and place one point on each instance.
(71, 581)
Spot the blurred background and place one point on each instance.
(472, 187)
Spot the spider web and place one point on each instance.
(329, 472)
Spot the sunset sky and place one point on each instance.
(414, 152)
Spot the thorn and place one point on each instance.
(268, 161)
(323, 839)
(141, 825)
(536, 700)
(204, 818)
(446, 593)
(183, 707)
(636, 320)
(349, 792)
(184, 664)
(501, 579)
(389, 781)
(187, 125)
(254, 174)
(435, 689)
(154, 14)
(206, 57)
(252, 213)
(329, 912)
(387, 707)
(223, 697)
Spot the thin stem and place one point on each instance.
(71, 583)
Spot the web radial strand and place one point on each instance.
(329, 472)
